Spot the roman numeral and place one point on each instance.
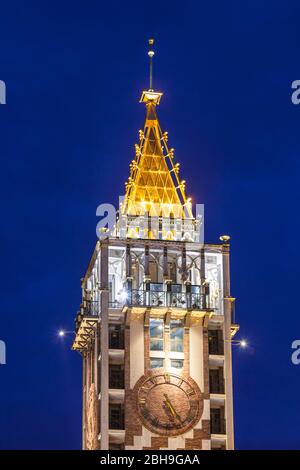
(145, 412)
(155, 421)
(153, 380)
(167, 378)
(180, 382)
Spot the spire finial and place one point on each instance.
(151, 54)
(151, 96)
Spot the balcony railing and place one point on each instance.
(145, 298)
(87, 309)
(115, 304)
(91, 308)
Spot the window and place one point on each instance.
(116, 376)
(216, 380)
(156, 362)
(116, 416)
(215, 342)
(176, 336)
(111, 288)
(177, 363)
(217, 421)
(116, 336)
(156, 335)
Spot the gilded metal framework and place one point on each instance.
(154, 187)
(86, 325)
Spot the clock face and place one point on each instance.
(168, 404)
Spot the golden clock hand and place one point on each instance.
(170, 406)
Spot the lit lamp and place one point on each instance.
(238, 342)
(225, 238)
(62, 333)
(123, 295)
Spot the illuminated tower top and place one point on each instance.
(154, 188)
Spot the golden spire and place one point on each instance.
(151, 54)
(154, 185)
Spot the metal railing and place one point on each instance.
(88, 308)
(166, 299)
(115, 304)
(143, 298)
(91, 308)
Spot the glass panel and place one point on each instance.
(116, 416)
(111, 287)
(156, 345)
(215, 342)
(195, 289)
(116, 376)
(177, 363)
(156, 335)
(176, 288)
(116, 336)
(156, 287)
(156, 362)
(176, 335)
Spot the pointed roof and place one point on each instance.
(154, 186)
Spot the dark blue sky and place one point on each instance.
(74, 72)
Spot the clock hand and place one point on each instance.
(170, 406)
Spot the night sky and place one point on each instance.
(74, 72)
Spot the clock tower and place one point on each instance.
(156, 321)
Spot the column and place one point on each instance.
(104, 404)
(129, 275)
(228, 348)
(84, 394)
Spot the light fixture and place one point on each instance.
(62, 333)
(123, 295)
(238, 342)
(225, 238)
